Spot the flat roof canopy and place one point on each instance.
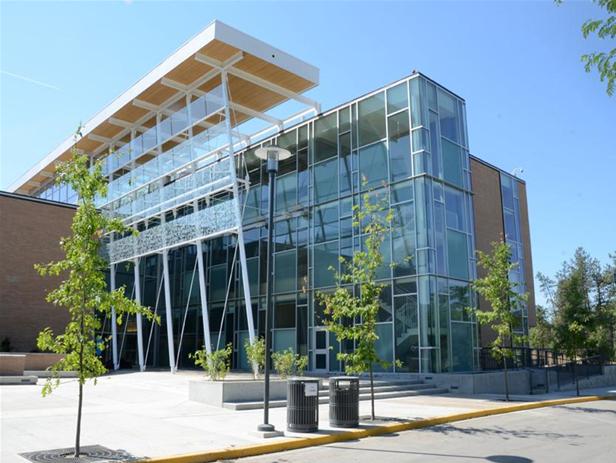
(260, 77)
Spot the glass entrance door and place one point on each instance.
(321, 349)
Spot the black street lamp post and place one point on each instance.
(272, 154)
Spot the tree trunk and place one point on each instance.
(506, 379)
(575, 376)
(81, 379)
(78, 433)
(372, 392)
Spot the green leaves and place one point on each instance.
(83, 291)
(503, 295)
(353, 317)
(215, 364)
(287, 363)
(603, 62)
(255, 352)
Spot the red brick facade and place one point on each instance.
(30, 232)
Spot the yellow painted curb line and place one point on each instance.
(312, 441)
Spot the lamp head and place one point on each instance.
(272, 154)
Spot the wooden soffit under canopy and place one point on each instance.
(260, 77)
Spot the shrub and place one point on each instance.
(256, 355)
(287, 363)
(216, 364)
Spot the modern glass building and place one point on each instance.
(183, 172)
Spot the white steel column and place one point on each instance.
(139, 318)
(204, 312)
(238, 214)
(168, 317)
(114, 326)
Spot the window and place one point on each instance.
(448, 112)
(325, 256)
(326, 223)
(457, 254)
(326, 181)
(454, 203)
(286, 192)
(507, 191)
(452, 163)
(459, 300)
(371, 119)
(416, 100)
(325, 137)
(284, 312)
(373, 166)
(399, 146)
(285, 269)
(397, 98)
(435, 146)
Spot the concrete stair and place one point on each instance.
(383, 389)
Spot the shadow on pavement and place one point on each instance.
(492, 458)
(496, 431)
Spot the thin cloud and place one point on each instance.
(32, 81)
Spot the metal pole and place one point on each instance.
(238, 214)
(114, 325)
(139, 319)
(168, 317)
(204, 312)
(272, 168)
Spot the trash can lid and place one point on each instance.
(303, 379)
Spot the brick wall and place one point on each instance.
(30, 232)
(489, 227)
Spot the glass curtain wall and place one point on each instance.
(405, 144)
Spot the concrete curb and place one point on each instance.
(313, 441)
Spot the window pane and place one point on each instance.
(326, 223)
(325, 256)
(286, 192)
(407, 338)
(459, 300)
(371, 119)
(285, 272)
(452, 163)
(397, 98)
(373, 166)
(284, 312)
(448, 113)
(416, 100)
(462, 346)
(435, 146)
(325, 137)
(326, 181)
(454, 209)
(399, 146)
(507, 191)
(457, 254)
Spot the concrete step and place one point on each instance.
(429, 389)
(386, 388)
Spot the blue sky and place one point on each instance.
(530, 104)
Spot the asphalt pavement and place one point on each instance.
(583, 432)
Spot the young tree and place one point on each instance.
(574, 321)
(541, 336)
(505, 301)
(84, 292)
(353, 317)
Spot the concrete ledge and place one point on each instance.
(48, 374)
(12, 364)
(218, 392)
(18, 380)
(303, 442)
(40, 361)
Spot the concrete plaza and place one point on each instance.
(149, 414)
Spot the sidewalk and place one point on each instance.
(148, 414)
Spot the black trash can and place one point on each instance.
(303, 404)
(344, 402)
